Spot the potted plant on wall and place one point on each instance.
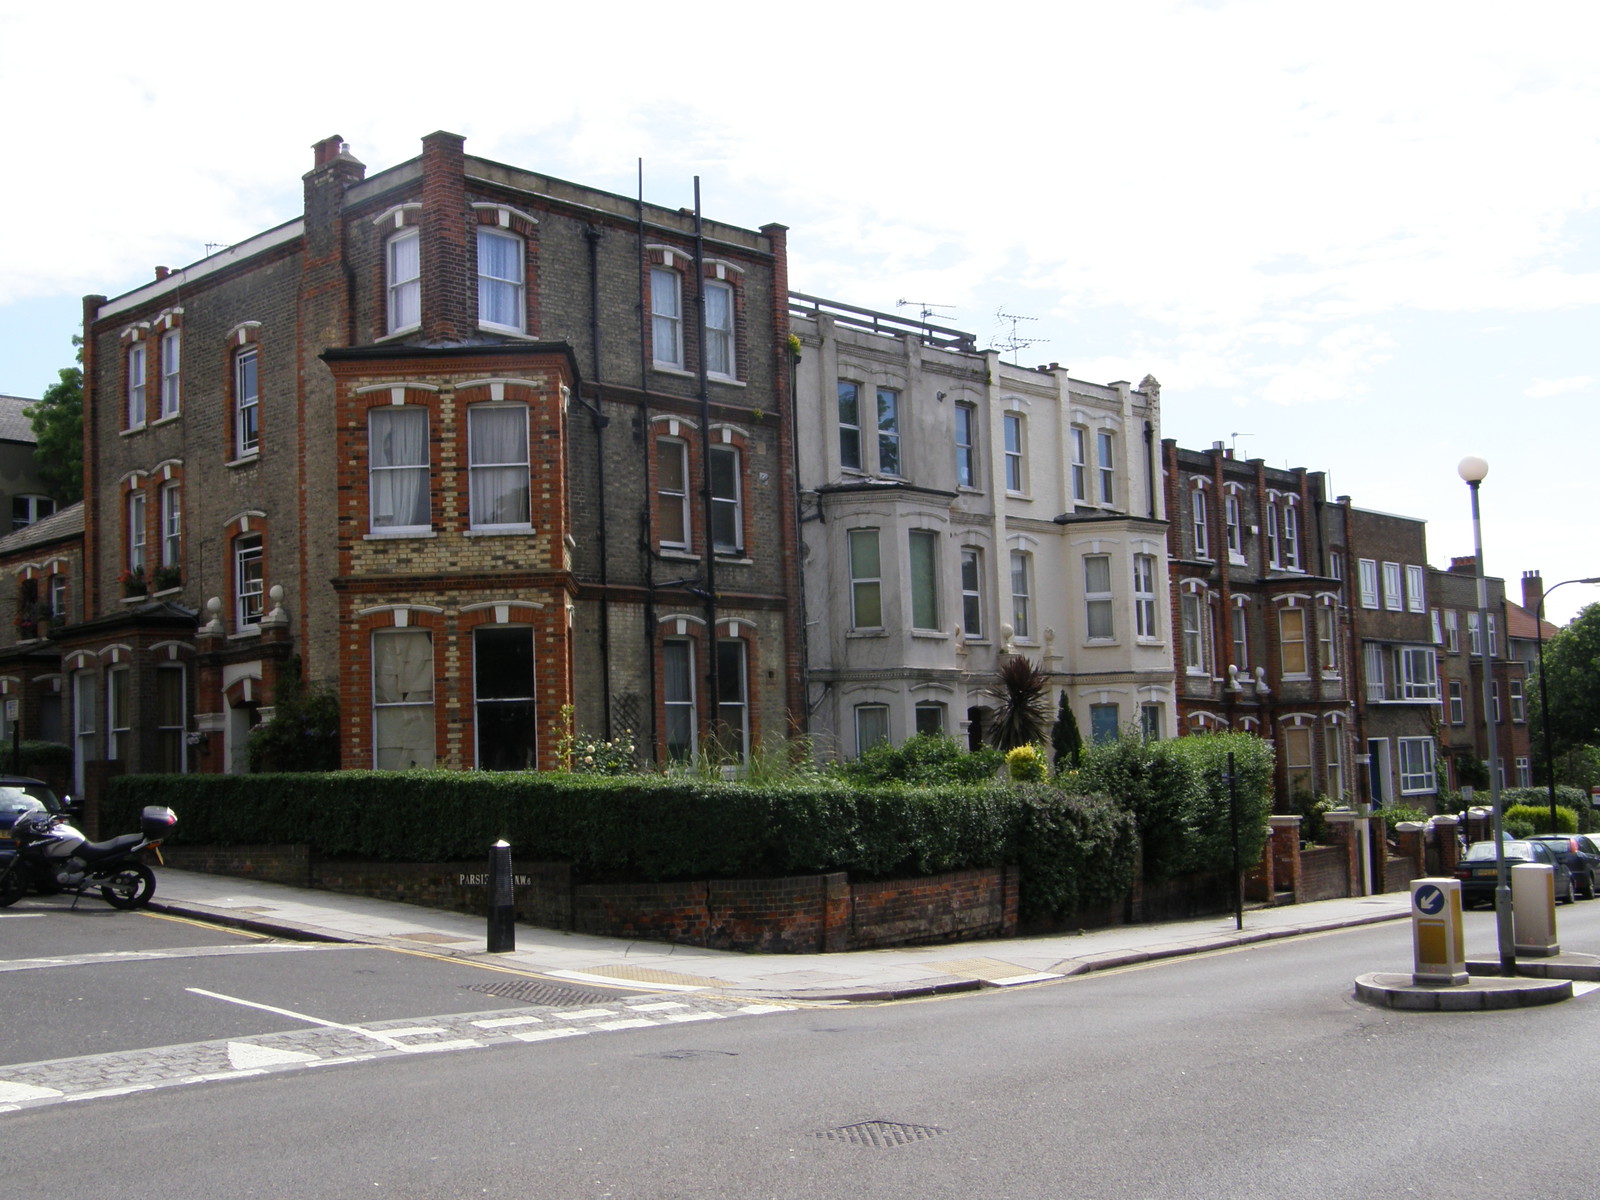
(133, 583)
(166, 578)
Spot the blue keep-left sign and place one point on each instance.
(1429, 900)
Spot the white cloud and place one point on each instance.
(1542, 388)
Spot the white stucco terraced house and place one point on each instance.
(956, 510)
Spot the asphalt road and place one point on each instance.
(1239, 1074)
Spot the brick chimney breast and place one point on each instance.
(449, 301)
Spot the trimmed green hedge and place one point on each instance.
(1075, 850)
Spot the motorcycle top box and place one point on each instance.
(155, 822)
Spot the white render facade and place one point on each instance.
(956, 510)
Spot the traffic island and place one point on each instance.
(1396, 989)
(1442, 980)
(1581, 967)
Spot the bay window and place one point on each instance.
(397, 468)
(497, 437)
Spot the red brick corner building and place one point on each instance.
(473, 444)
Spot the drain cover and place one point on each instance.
(881, 1134)
(539, 991)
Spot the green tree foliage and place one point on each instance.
(1571, 672)
(303, 734)
(1065, 739)
(58, 428)
(1022, 708)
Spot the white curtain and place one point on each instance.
(499, 457)
(499, 279)
(402, 697)
(398, 448)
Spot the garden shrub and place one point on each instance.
(1396, 813)
(1208, 837)
(1150, 780)
(1025, 764)
(927, 759)
(1076, 852)
(1537, 818)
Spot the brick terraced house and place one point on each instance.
(1459, 640)
(472, 443)
(1260, 613)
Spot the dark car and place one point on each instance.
(19, 794)
(1580, 853)
(1476, 870)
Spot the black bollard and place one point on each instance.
(502, 904)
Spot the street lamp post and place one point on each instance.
(1544, 696)
(1473, 470)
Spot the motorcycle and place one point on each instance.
(52, 855)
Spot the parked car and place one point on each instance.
(1476, 870)
(1580, 853)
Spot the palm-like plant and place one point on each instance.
(1022, 709)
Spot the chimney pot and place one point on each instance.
(163, 272)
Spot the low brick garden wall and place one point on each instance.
(803, 914)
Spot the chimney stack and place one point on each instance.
(1532, 591)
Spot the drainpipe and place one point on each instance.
(1150, 464)
(599, 421)
(705, 463)
(644, 519)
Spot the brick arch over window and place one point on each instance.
(686, 355)
(374, 511)
(681, 668)
(244, 371)
(503, 218)
(676, 473)
(137, 350)
(249, 570)
(551, 690)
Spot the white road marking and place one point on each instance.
(612, 981)
(213, 1076)
(584, 1014)
(102, 1093)
(1583, 989)
(11, 1093)
(507, 1022)
(429, 1047)
(695, 1016)
(1013, 980)
(245, 1056)
(627, 1023)
(543, 1035)
(386, 1039)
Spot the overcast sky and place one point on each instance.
(1360, 238)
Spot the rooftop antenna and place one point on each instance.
(927, 308)
(213, 247)
(1234, 449)
(1015, 342)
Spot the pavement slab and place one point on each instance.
(852, 975)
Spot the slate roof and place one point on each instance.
(14, 427)
(58, 526)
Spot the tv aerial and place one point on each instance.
(1015, 341)
(926, 309)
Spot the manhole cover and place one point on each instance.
(881, 1134)
(538, 991)
(682, 1054)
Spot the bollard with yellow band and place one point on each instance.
(1438, 945)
